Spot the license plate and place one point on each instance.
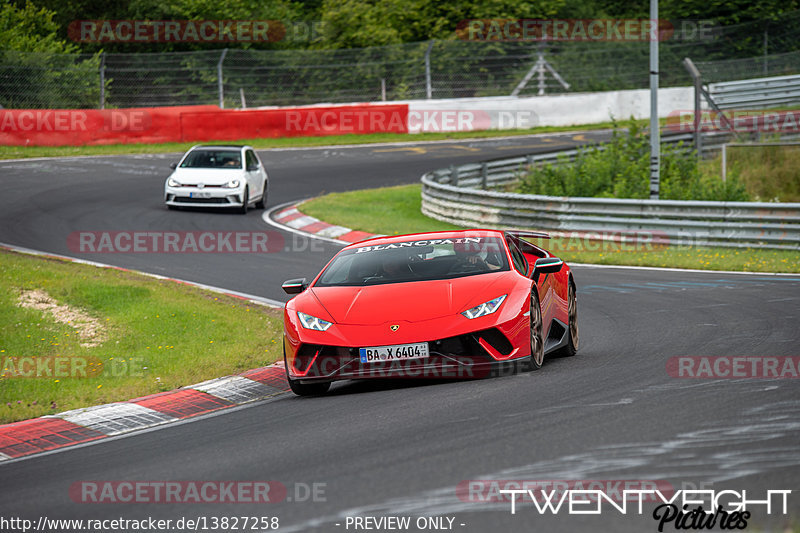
(199, 195)
(395, 352)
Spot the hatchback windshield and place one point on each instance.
(421, 260)
(213, 159)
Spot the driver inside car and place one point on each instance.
(396, 266)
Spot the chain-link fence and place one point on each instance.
(437, 69)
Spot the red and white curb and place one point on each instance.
(292, 219)
(79, 426)
(51, 432)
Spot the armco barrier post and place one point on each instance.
(219, 78)
(698, 89)
(102, 80)
(428, 86)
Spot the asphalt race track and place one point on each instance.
(401, 448)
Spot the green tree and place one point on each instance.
(31, 29)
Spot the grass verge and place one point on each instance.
(21, 152)
(396, 210)
(158, 335)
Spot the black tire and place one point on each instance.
(537, 338)
(245, 200)
(172, 207)
(572, 338)
(263, 201)
(308, 389)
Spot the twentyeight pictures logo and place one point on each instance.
(683, 509)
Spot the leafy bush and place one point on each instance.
(621, 169)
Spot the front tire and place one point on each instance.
(537, 340)
(245, 200)
(263, 201)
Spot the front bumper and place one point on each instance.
(208, 196)
(470, 355)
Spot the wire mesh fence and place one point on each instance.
(437, 69)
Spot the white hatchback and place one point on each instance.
(218, 176)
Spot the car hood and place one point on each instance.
(411, 302)
(206, 176)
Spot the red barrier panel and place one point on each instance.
(295, 122)
(75, 127)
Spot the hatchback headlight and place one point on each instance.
(232, 184)
(486, 308)
(172, 182)
(312, 322)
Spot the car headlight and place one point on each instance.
(232, 184)
(312, 322)
(172, 182)
(486, 308)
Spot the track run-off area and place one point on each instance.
(617, 412)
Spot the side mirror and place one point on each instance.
(546, 265)
(173, 166)
(295, 286)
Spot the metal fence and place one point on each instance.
(461, 195)
(432, 69)
(759, 93)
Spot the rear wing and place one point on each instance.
(524, 234)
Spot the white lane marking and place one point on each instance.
(250, 297)
(326, 147)
(266, 217)
(710, 454)
(693, 270)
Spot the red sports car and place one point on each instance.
(443, 304)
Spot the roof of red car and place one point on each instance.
(452, 234)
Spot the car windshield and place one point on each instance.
(213, 159)
(419, 260)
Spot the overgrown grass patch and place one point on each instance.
(768, 173)
(159, 335)
(396, 210)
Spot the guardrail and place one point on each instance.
(756, 93)
(458, 195)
